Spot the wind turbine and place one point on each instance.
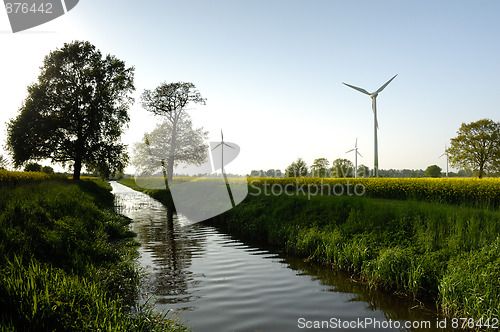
(355, 158)
(447, 157)
(373, 96)
(222, 144)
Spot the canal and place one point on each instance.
(213, 281)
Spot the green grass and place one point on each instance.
(67, 261)
(430, 251)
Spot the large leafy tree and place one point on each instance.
(342, 168)
(297, 168)
(363, 171)
(476, 147)
(33, 167)
(170, 100)
(319, 167)
(433, 171)
(76, 111)
(150, 154)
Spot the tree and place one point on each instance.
(433, 171)
(118, 175)
(320, 167)
(342, 168)
(255, 173)
(47, 170)
(76, 111)
(33, 167)
(363, 171)
(464, 174)
(170, 100)
(273, 173)
(476, 147)
(150, 154)
(297, 168)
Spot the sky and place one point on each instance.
(272, 71)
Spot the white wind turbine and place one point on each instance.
(447, 158)
(222, 144)
(355, 158)
(373, 96)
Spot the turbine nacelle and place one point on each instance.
(373, 94)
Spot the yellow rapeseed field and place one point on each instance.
(479, 192)
(13, 178)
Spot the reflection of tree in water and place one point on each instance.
(171, 249)
(168, 247)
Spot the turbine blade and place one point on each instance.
(232, 147)
(356, 145)
(386, 84)
(221, 135)
(350, 150)
(356, 88)
(217, 146)
(359, 153)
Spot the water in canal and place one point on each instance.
(213, 281)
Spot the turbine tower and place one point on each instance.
(373, 96)
(447, 157)
(355, 158)
(222, 144)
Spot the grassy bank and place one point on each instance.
(162, 195)
(421, 247)
(67, 261)
(444, 253)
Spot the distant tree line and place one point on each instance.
(343, 168)
(35, 167)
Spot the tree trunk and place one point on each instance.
(171, 155)
(77, 168)
(170, 168)
(164, 170)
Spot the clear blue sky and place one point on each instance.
(272, 71)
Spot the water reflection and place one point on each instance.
(217, 282)
(167, 247)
